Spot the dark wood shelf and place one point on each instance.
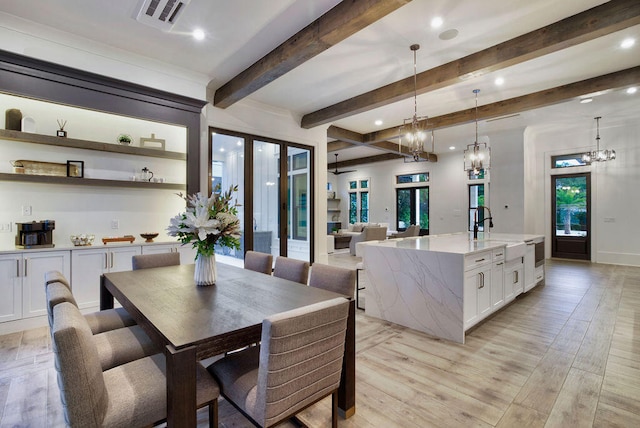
(49, 179)
(73, 143)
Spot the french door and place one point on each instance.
(571, 222)
(412, 207)
(274, 189)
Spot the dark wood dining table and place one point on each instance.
(191, 323)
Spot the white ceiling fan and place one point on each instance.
(336, 172)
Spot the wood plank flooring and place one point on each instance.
(566, 354)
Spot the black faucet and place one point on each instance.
(476, 222)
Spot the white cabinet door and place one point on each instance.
(120, 259)
(529, 266)
(187, 254)
(470, 299)
(35, 265)
(10, 287)
(497, 285)
(88, 265)
(158, 249)
(484, 292)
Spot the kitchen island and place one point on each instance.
(444, 284)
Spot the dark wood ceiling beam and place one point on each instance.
(593, 23)
(334, 146)
(544, 98)
(365, 160)
(344, 135)
(344, 20)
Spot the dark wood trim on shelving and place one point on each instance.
(53, 179)
(46, 81)
(28, 137)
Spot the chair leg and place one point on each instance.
(334, 409)
(213, 414)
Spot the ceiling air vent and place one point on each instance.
(161, 14)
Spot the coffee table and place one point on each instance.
(342, 241)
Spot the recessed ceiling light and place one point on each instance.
(452, 147)
(627, 43)
(632, 90)
(586, 100)
(499, 81)
(198, 34)
(378, 122)
(436, 22)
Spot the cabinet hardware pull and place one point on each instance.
(18, 268)
(481, 260)
(111, 260)
(25, 266)
(499, 254)
(515, 277)
(106, 262)
(481, 280)
(498, 264)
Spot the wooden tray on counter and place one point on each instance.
(124, 238)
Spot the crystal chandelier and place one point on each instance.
(412, 133)
(598, 155)
(477, 156)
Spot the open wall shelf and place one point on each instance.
(28, 137)
(48, 179)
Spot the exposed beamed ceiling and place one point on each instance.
(344, 64)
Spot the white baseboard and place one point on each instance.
(626, 259)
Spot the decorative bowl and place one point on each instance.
(82, 240)
(148, 236)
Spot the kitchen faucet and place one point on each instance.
(476, 222)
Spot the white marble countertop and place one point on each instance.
(96, 244)
(457, 243)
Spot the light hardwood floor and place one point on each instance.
(566, 354)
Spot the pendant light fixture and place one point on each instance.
(477, 156)
(412, 133)
(598, 155)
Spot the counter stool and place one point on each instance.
(359, 267)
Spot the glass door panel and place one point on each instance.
(266, 197)
(412, 207)
(571, 218)
(227, 169)
(298, 213)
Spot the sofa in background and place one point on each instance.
(369, 233)
(356, 228)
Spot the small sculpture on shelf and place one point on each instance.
(61, 132)
(124, 139)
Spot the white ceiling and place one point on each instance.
(239, 32)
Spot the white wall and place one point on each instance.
(448, 192)
(614, 202)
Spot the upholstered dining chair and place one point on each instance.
(333, 278)
(100, 321)
(130, 395)
(145, 261)
(298, 363)
(258, 262)
(115, 347)
(291, 269)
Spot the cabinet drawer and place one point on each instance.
(497, 254)
(472, 261)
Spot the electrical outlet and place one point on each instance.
(115, 224)
(5, 227)
(26, 210)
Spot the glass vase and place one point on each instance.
(204, 273)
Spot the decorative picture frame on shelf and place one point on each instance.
(75, 169)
